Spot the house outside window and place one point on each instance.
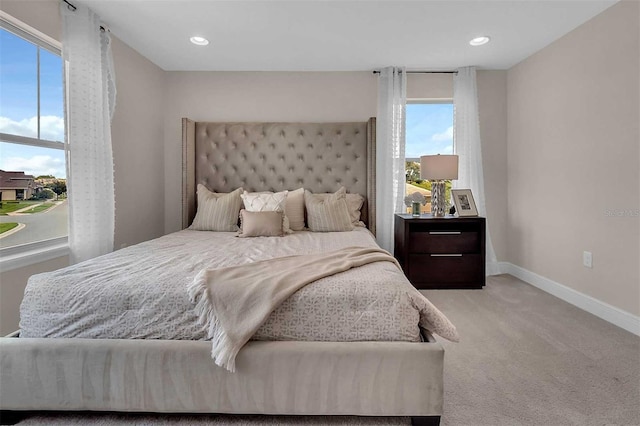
(33, 207)
(428, 131)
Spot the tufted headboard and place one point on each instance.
(320, 157)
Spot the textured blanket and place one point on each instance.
(139, 292)
(234, 302)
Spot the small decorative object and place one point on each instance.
(438, 169)
(452, 210)
(465, 205)
(414, 201)
(415, 209)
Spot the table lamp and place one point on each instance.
(437, 169)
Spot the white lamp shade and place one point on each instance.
(439, 167)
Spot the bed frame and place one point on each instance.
(279, 378)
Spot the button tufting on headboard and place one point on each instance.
(320, 157)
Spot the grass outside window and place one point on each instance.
(12, 206)
(40, 208)
(4, 227)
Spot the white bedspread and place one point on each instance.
(141, 292)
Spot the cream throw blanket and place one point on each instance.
(235, 301)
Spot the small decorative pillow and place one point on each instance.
(354, 204)
(267, 202)
(261, 224)
(216, 211)
(295, 209)
(328, 213)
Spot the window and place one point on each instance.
(429, 130)
(33, 207)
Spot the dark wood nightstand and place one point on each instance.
(443, 253)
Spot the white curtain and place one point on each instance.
(390, 173)
(90, 101)
(467, 145)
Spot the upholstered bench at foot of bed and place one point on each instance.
(280, 378)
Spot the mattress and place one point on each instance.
(140, 292)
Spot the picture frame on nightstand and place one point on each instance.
(464, 202)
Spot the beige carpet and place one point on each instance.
(526, 358)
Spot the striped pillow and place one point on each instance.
(217, 212)
(354, 204)
(328, 213)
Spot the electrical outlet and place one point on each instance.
(587, 259)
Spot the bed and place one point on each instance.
(170, 370)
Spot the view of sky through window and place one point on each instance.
(429, 129)
(19, 106)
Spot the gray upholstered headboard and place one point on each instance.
(320, 157)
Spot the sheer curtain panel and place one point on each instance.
(467, 145)
(90, 101)
(390, 167)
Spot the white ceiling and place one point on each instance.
(333, 35)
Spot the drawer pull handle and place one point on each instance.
(446, 255)
(444, 232)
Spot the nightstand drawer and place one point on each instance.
(460, 268)
(444, 242)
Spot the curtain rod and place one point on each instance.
(73, 9)
(70, 6)
(424, 72)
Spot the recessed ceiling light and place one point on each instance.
(479, 41)
(200, 41)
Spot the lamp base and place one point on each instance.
(438, 201)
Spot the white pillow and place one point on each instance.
(295, 209)
(267, 202)
(328, 213)
(217, 211)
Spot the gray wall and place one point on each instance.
(138, 147)
(573, 159)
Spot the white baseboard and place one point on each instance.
(603, 310)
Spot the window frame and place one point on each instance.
(23, 255)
